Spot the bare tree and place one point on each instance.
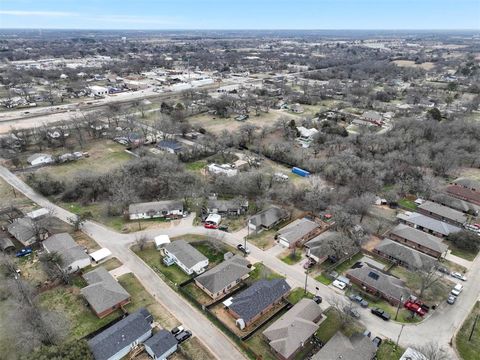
(430, 351)
(428, 276)
(141, 241)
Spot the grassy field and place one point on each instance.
(331, 325)
(324, 279)
(264, 240)
(469, 350)
(464, 254)
(389, 351)
(104, 155)
(260, 272)
(298, 294)
(292, 259)
(409, 204)
(10, 196)
(348, 264)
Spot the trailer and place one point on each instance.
(300, 172)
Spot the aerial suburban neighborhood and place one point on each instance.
(175, 185)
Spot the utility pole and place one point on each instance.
(398, 307)
(306, 280)
(473, 328)
(399, 334)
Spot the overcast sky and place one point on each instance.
(241, 14)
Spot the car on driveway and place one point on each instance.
(177, 330)
(243, 249)
(381, 314)
(457, 290)
(318, 299)
(359, 299)
(377, 341)
(183, 335)
(451, 299)
(309, 263)
(339, 284)
(352, 312)
(210, 226)
(458, 276)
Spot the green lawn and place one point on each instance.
(324, 279)
(214, 253)
(298, 294)
(409, 204)
(196, 166)
(260, 272)
(292, 259)
(348, 264)
(153, 258)
(469, 350)
(329, 326)
(264, 240)
(464, 254)
(389, 351)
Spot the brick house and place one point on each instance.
(418, 240)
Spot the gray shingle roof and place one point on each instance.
(224, 274)
(387, 284)
(268, 217)
(185, 253)
(468, 183)
(420, 237)
(413, 258)
(120, 335)
(454, 203)
(22, 230)
(226, 205)
(6, 243)
(444, 211)
(288, 333)
(161, 342)
(155, 206)
(64, 245)
(429, 223)
(297, 229)
(319, 245)
(103, 291)
(256, 298)
(358, 347)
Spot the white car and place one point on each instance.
(339, 284)
(458, 276)
(457, 289)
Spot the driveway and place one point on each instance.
(439, 328)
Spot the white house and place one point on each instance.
(156, 209)
(96, 90)
(40, 159)
(72, 256)
(186, 256)
(223, 169)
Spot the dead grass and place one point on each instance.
(409, 63)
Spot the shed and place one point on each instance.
(161, 240)
(101, 254)
(6, 244)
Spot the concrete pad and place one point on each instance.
(121, 270)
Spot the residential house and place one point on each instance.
(96, 90)
(297, 232)
(250, 304)
(161, 345)
(419, 240)
(297, 108)
(292, 331)
(318, 248)
(73, 257)
(412, 354)
(306, 134)
(455, 203)
(378, 283)
(119, 339)
(170, 146)
(186, 256)
(227, 207)
(266, 219)
(103, 293)
(428, 224)
(221, 279)
(27, 231)
(464, 193)
(468, 184)
(372, 117)
(156, 209)
(357, 347)
(404, 255)
(222, 169)
(442, 213)
(40, 159)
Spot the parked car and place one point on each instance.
(223, 228)
(318, 299)
(243, 249)
(381, 314)
(309, 263)
(177, 330)
(339, 284)
(210, 226)
(451, 299)
(24, 252)
(444, 270)
(377, 341)
(356, 298)
(183, 335)
(367, 333)
(459, 276)
(352, 312)
(414, 307)
(457, 289)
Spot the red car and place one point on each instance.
(210, 226)
(410, 305)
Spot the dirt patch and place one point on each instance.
(372, 242)
(85, 241)
(409, 63)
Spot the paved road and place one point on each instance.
(439, 327)
(217, 342)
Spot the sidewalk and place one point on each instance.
(458, 260)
